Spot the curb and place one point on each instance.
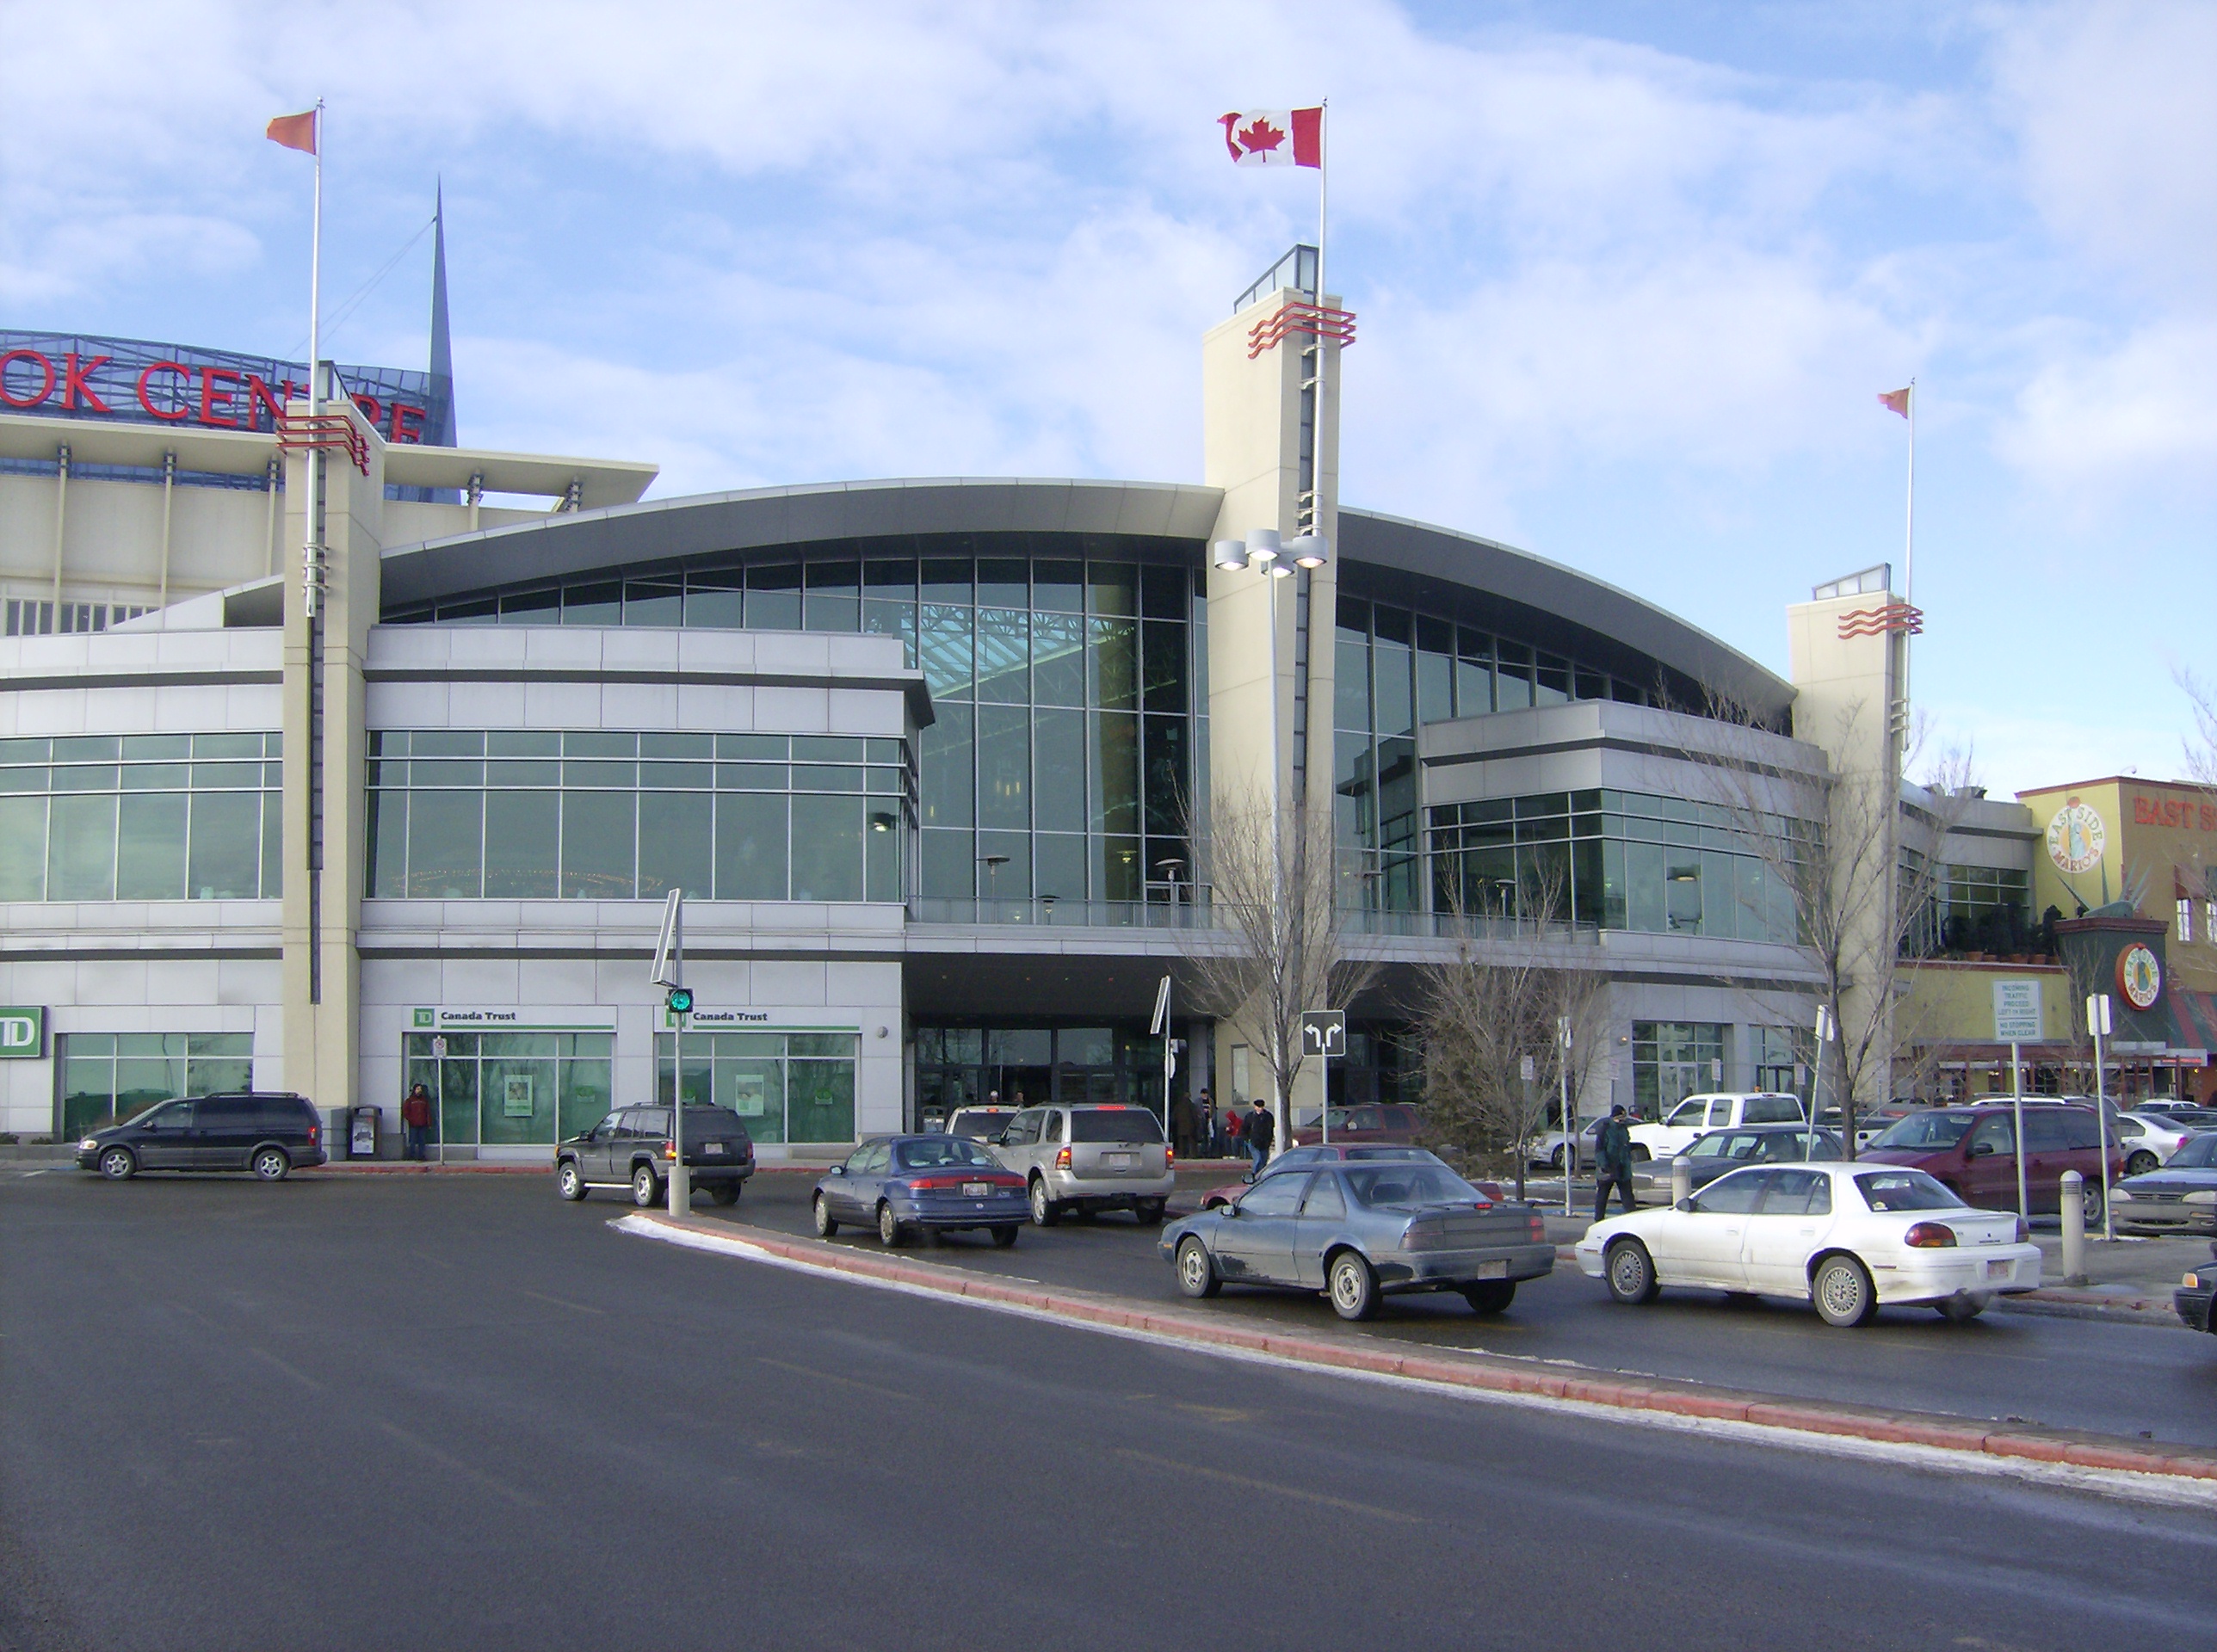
(2027, 1443)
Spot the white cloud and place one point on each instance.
(2143, 411)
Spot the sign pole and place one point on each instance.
(1570, 1141)
(1161, 1029)
(2017, 1107)
(2097, 1023)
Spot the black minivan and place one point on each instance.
(268, 1132)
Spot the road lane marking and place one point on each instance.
(2120, 1483)
(1227, 1477)
(574, 1307)
(299, 1377)
(833, 1376)
(448, 1461)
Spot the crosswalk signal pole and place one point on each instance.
(669, 972)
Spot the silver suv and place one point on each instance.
(1095, 1158)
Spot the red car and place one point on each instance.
(1380, 1123)
(1972, 1151)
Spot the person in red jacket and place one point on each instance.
(416, 1117)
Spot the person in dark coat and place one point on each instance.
(416, 1120)
(1613, 1161)
(1260, 1129)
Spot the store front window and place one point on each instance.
(517, 1088)
(1672, 1060)
(1028, 1066)
(784, 1086)
(108, 1077)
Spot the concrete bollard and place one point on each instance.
(2074, 1228)
(1682, 1179)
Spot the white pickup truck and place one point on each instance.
(1697, 1115)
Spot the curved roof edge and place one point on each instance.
(1468, 559)
(671, 530)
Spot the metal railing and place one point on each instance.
(1054, 912)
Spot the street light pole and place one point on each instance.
(2097, 1023)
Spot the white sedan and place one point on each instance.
(2149, 1139)
(1848, 1237)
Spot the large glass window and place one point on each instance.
(518, 1088)
(784, 1086)
(108, 1077)
(141, 817)
(1672, 1060)
(604, 814)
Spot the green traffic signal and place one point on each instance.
(681, 1001)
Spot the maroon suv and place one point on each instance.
(1973, 1149)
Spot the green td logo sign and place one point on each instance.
(22, 1031)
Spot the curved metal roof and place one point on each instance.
(672, 531)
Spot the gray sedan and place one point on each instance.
(2181, 1197)
(1360, 1230)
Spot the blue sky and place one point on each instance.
(1630, 275)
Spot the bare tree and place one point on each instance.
(1857, 863)
(1277, 944)
(1495, 1006)
(2201, 745)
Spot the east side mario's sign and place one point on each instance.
(2191, 812)
(131, 381)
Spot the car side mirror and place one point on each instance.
(1684, 1204)
(837, 1170)
(1231, 1208)
(1981, 1150)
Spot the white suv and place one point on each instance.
(1098, 1157)
(1697, 1115)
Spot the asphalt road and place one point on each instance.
(2067, 1374)
(455, 1413)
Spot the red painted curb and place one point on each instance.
(1692, 1400)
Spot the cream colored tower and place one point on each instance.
(325, 796)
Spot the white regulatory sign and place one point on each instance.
(2016, 1012)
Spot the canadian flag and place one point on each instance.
(1275, 136)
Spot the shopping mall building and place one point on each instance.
(934, 762)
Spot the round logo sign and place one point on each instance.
(2076, 837)
(2140, 978)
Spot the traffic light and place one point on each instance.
(681, 1001)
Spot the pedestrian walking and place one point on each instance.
(1613, 1161)
(1259, 1128)
(416, 1120)
(1205, 1117)
(1181, 1126)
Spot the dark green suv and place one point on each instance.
(632, 1148)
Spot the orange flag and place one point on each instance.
(294, 132)
(1897, 400)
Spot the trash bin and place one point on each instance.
(362, 1134)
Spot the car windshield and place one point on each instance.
(980, 1123)
(1927, 1130)
(1905, 1190)
(938, 1152)
(1410, 1183)
(1114, 1124)
(2199, 1153)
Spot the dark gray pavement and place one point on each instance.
(2066, 1373)
(453, 1412)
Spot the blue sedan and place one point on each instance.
(935, 1184)
(1360, 1230)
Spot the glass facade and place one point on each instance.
(141, 817)
(1611, 859)
(1976, 909)
(1068, 674)
(108, 1077)
(1672, 1060)
(786, 1086)
(604, 814)
(521, 1089)
(1030, 1066)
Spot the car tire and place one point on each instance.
(1046, 1210)
(826, 1224)
(2091, 1202)
(1196, 1272)
(1352, 1285)
(269, 1164)
(1555, 1160)
(645, 1188)
(889, 1227)
(1148, 1212)
(118, 1163)
(1844, 1293)
(1629, 1272)
(724, 1193)
(2142, 1162)
(569, 1182)
(1961, 1310)
(1640, 1154)
(1004, 1237)
(1489, 1296)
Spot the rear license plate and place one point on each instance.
(976, 1189)
(1997, 1270)
(1119, 1160)
(1493, 1270)
(716, 1148)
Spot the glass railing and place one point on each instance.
(1053, 912)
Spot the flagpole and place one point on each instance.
(310, 570)
(1909, 561)
(1316, 440)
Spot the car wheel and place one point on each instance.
(826, 1223)
(118, 1164)
(1148, 1212)
(889, 1227)
(1196, 1273)
(568, 1182)
(2141, 1164)
(1844, 1293)
(1630, 1271)
(1352, 1287)
(269, 1164)
(1640, 1154)
(1961, 1310)
(2091, 1203)
(1004, 1237)
(1555, 1160)
(645, 1188)
(1045, 1212)
(1489, 1296)
(723, 1193)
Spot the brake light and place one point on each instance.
(934, 1184)
(1538, 1225)
(2023, 1231)
(1170, 1156)
(1062, 1160)
(670, 1150)
(315, 1133)
(1929, 1236)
